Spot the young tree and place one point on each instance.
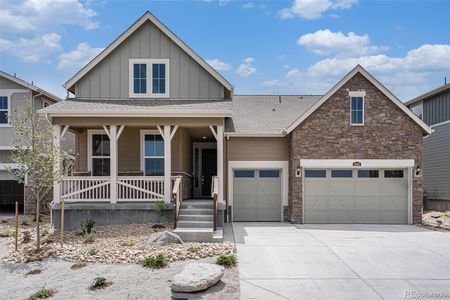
(34, 153)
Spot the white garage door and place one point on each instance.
(375, 196)
(257, 195)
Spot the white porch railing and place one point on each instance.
(140, 188)
(129, 188)
(85, 188)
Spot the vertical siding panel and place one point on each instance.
(184, 76)
(105, 79)
(174, 71)
(135, 47)
(145, 40)
(165, 46)
(124, 70)
(194, 77)
(95, 83)
(155, 40)
(115, 73)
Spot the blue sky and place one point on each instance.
(262, 47)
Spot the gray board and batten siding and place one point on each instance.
(437, 109)
(109, 79)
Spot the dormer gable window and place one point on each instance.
(149, 78)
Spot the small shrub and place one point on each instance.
(87, 226)
(128, 243)
(78, 265)
(44, 232)
(24, 222)
(155, 261)
(160, 209)
(99, 282)
(33, 258)
(227, 260)
(439, 222)
(89, 238)
(92, 251)
(34, 272)
(446, 214)
(42, 293)
(7, 233)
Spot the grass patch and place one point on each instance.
(227, 261)
(34, 272)
(78, 265)
(42, 294)
(155, 261)
(99, 283)
(7, 233)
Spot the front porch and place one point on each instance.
(121, 171)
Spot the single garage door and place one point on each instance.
(356, 196)
(10, 192)
(257, 195)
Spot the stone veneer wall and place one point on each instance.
(388, 133)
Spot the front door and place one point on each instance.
(205, 167)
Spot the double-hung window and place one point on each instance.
(100, 154)
(149, 78)
(357, 110)
(4, 110)
(153, 154)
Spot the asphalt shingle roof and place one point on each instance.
(151, 105)
(254, 114)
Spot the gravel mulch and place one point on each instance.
(112, 244)
(436, 219)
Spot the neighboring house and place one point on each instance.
(14, 95)
(150, 113)
(434, 109)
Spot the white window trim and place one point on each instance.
(91, 132)
(142, 150)
(149, 63)
(357, 94)
(260, 165)
(8, 95)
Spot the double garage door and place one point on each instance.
(10, 192)
(256, 195)
(356, 196)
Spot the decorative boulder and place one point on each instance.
(197, 277)
(436, 214)
(165, 238)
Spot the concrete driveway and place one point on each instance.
(284, 261)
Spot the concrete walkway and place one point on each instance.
(283, 261)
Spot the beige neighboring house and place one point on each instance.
(14, 95)
(155, 122)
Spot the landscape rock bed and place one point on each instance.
(438, 220)
(115, 244)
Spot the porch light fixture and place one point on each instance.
(204, 137)
(418, 171)
(298, 171)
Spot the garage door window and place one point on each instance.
(341, 173)
(316, 173)
(393, 174)
(269, 173)
(368, 174)
(244, 174)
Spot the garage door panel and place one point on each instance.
(257, 198)
(364, 199)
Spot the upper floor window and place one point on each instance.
(418, 110)
(357, 110)
(149, 78)
(4, 110)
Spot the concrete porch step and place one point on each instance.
(196, 211)
(195, 224)
(197, 204)
(182, 217)
(195, 234)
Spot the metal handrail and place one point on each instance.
(214, 194)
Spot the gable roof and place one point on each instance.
(368, 76)
(436, 91)
(267, 115)
(148, 16)
(30, 86)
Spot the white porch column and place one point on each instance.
(57, 164)
(220, 161)
(113, 162)
(167, 164)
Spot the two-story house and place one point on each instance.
(433, 108)
(155, 122)
(14, 95)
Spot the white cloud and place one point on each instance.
(324, 42)
(405, 76)
(272, 83)
(32, 50)
(79, 57)
(218, 65)
(248, 5)
(246, 68)
(44, 15)
(313, 9)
